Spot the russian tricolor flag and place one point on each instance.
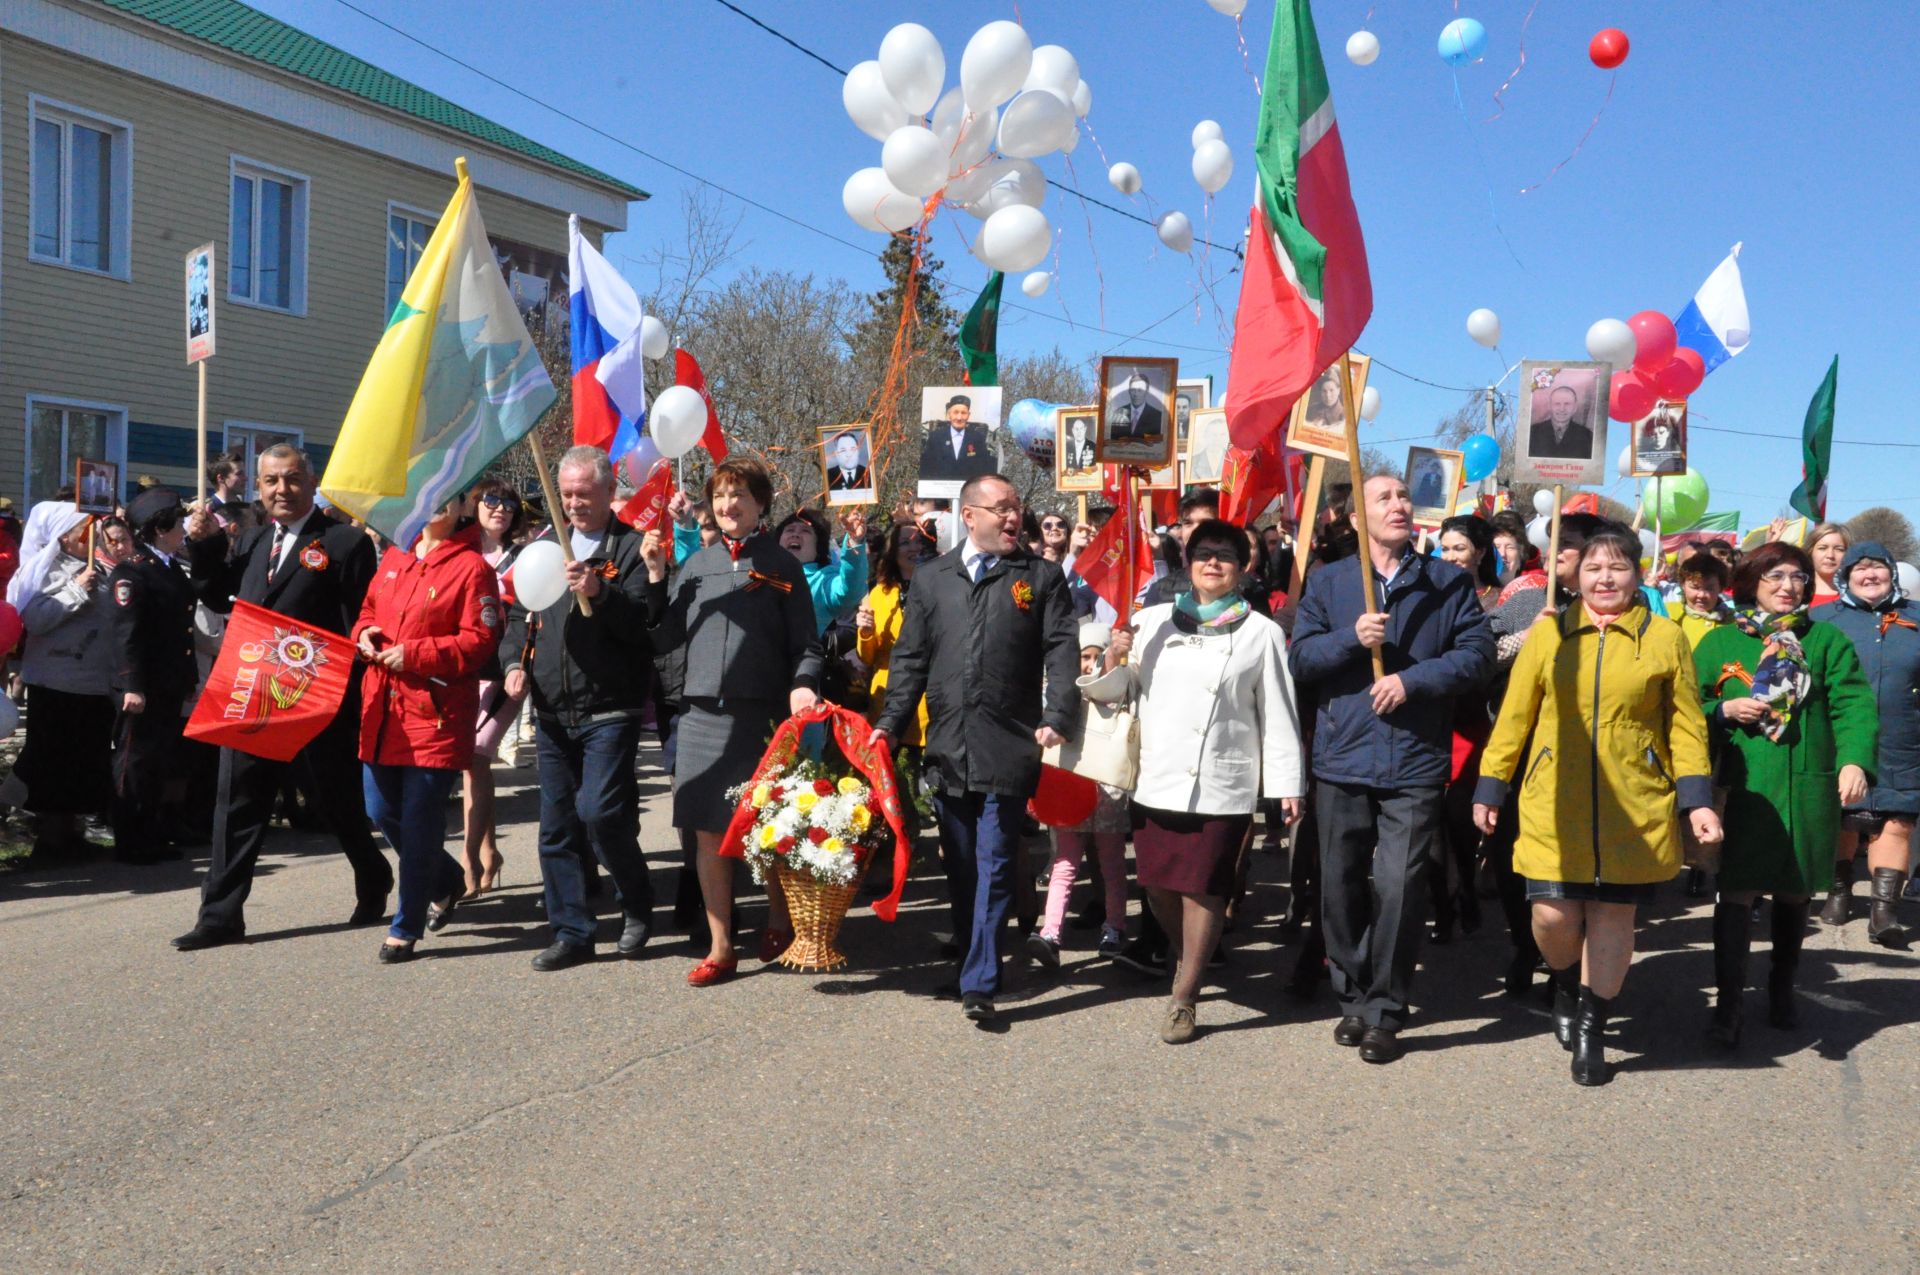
(1715, 325)
(609, 379)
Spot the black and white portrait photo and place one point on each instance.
(1433, 480)
(1074, 466)
(1207, 442)
(959, 422)
(96, 486)
(1319, 421)
(846, 454)
(1136, 411)
(1660, 440)
(1563, 434)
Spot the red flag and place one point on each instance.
(1113, 484)
(276, 684)
(1164, 506)
(686, 371)
(1251, 480)
(1583, 503)
(643, 511)
(1103, 563)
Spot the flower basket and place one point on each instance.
(816, 910)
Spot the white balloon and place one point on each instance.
(1175, 230)
(1011, 182)
(1543, 503)
(1909, 578)
(1232, 8)
(872, 201)
(914, 161)
(676, 420)
(540, 575)
(1125, 178)
(1625, 463)
(1611, 341)
(966, 136)
(874, 110)
(1053, 68)
(1362, 48)
(995, 64)
(1038, 122)
(1483, 325)
(1540, 532)
(969, 186)
(653, 338)
(1034, 285)
(1206, 131)
(913, 66)
(1213, 165)
(1073, 141)
(1082, 99)
(1369, 403)
(1015, 237)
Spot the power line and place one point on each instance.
(783, 38)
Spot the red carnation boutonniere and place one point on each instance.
(1023, 595)
(313, 557)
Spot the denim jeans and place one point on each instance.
(589, 803)
(980, 840)
(409, 804)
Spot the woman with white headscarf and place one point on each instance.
(66, 762)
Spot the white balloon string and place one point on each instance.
(1517, 66)
(1092, 247)
(1246, 59)
(1593, 124)
(1059, 236)
(1479, 158)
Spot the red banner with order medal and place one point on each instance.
(276, 684)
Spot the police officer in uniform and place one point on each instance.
(153, 673)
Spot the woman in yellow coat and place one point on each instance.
(877, 622)
(1603, 705)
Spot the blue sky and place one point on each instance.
(1782, 125)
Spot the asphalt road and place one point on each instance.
(291, 1105)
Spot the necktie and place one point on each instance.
(982, 565)
(279, 543)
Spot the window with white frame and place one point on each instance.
(407, 235)
(62, 431)
(267, 243)
(80, 175)
(248, 439)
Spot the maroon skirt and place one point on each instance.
(1188, 854)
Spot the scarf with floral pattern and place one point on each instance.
(1783, 677)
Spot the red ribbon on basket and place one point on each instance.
(851, 731)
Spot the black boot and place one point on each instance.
(1840, 897)
(1732, 939)
(1696, 883)
(1590, 1040)
(1566, 1002)
(1883, 922)
(1789, 932)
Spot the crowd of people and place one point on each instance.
(1418, 712)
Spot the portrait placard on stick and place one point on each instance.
(1075, 467)
(846, 464)
(1560, 439)
(1319, 422)
(1433, 482)
(1137, 425)
(1660, 440)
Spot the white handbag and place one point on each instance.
(1108, 750)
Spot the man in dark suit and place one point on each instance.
(985, 624)
(1560, 437)
(1137, 418)
(846, 472)
(315, 568)
(958, 452)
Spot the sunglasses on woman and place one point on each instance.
(499, 500)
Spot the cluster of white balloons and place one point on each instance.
(968, 152)
(1212, 160)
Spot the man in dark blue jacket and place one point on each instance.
(1382, 752)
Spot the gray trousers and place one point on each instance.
(1373, 925)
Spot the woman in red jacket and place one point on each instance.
(429, 623)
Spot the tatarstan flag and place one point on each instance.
(1306, 295)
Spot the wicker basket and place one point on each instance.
(815, 911)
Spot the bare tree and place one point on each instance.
(1889, 526)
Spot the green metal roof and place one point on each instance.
(246, 31)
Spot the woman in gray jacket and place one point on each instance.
(741, 611)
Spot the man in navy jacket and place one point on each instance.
(1382, 752)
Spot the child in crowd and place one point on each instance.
(1702, 605)
(1107, 828)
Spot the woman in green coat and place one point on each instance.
(1796, 724)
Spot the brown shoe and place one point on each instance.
(1179, 1027)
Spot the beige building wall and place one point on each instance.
(82, 336)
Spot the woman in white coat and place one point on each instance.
(1218, 732)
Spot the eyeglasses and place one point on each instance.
(1212, 553)
(1052, 524)
(1000, 511)
(499, 500)
(1786, 577)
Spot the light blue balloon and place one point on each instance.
(1479, 457)
(1462, 40)
(1031, 423)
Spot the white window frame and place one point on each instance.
(120, 261)
(116, 414)
(255, 171)
(287, 433)
(428, 218)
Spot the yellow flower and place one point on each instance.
(806, 800)
(833, 845)
(848, 784)
(862, 818)
(768, 835)
(762, 794)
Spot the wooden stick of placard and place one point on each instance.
(1553, 554)
(1309, 519)
(555, 515)
(1360, 500)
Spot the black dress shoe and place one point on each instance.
(1380, 1045)
(395, 953)
(563, 955)
(633, 937)
(977, 1007)
(1350, 1030)
(370, 912)
(438, 914)
(201, 936)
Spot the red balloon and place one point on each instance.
(1062, 798)
(1608, 49)
(1654, 339)
(1630, 397)
(1682, 374)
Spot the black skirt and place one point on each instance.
(718, 745)
(67, 760)
(1592, 891)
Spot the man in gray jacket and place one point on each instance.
(988, 632)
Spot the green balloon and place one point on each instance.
(1680, 500)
